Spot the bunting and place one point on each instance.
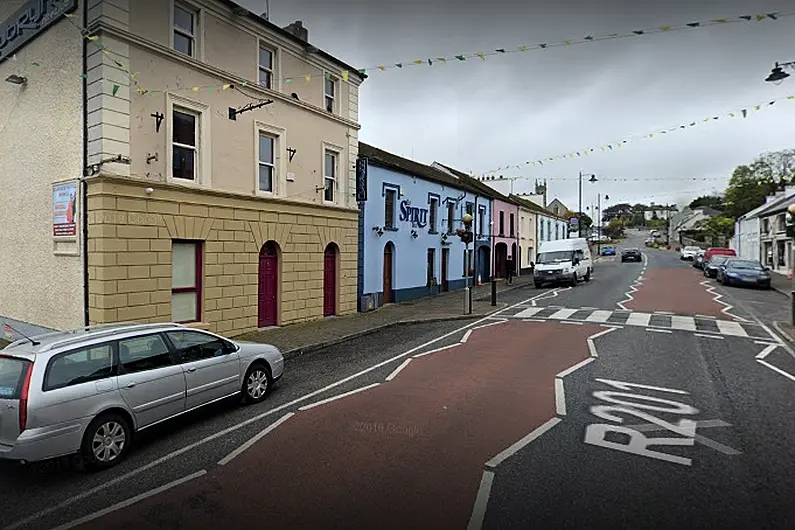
(744, 113)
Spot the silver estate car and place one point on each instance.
(87, 391)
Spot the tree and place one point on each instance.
(622, 210)
(614, 229)
(746, 191)
(711, 201)
(717, 229)
(587, 222)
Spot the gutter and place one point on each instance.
(83, 186)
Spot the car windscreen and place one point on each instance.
(748, 265)
(718, 260)
(12, 370)
(557, 256)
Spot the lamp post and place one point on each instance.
(493, 264)
(790, 221)
(777, 74)
(599, 222)
(579, 210)
(467, 237)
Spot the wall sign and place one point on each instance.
(64, 209)
(416, 216)
(29, 20)
(361, 179)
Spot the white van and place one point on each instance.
(563, 260)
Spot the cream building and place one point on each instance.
(230, 224)
(528, 229)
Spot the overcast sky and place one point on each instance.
(479, 115)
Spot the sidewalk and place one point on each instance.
(780, 283)
(310, 336)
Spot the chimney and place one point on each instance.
(297, 28)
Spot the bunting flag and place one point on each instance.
(589, 38)
(622, 143)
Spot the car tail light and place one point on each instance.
(23, 398)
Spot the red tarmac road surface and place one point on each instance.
(406, 454)
(676, 290)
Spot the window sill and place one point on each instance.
(390, 229)
(433, 232)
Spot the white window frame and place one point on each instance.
(335, 97)
(203, 161)
(274, 71)
(339, 178)
(279, 135)
(198, 30)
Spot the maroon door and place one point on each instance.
(445, 260)
(330, 281)
(268, 285)
(388, 273)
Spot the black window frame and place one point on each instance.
(390, 212)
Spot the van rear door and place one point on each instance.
(12, 377)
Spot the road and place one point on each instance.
(646, 398)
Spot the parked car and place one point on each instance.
(698, 261)
(87, 391)
(609, 251)
(715, 251)
(688, 253)
(711, 267)
(744, 272)
(631, 254)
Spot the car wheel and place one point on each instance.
(574, 279)
(538, 285)
(587, 276)
(106, 442)
(257, 383)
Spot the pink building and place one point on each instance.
(505, 233)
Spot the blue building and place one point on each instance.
(408, 248)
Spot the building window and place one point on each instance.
(450, 217)
(267, 169)
(185, 135)
(329, 176)
(510, 225)
(502, 223)
(265, 67)
(432, 215)
(431, 275)
(541, 227)
(481, 220)
(389, 208)
(330, 93)
(185, 30)
(529, 254)
(186, 274)
(470, 208)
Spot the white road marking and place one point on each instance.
(576, 367)
(510, 451)
(398, 369)
(638, 319)
(659, 330)
(481, 501)
(228, 458)
(339, 396)
(707, 316)
(703, 440)
(500, 321)
(130, 501)
(466, 336)
(560, 397)
(764, 342)
(590, 341)
(728, 327)
(590, 308)
(436, 350)
(599, 316)
(767, 351)
(572, 322)
(683, 323)
(717, 298)
(708, 336)
(612, 326)
(533, 320)
(776, 369)
(664, 313)
(529, 312)
(562, 314)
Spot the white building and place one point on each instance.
(748, 227)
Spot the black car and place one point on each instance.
(631, 254)
(744, 272)
(711, 267)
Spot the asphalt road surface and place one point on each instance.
(649, 397)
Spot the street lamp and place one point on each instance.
(467, 237)
(790, 221)
(579, 210)
(777, 75)
(599, 222)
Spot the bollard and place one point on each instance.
(467, 300)
(493, 291)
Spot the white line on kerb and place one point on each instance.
(560, 397)
(767, 351)
(507, 453)
(481, 501)
(398, 369)
(85, 494)
(130, 501)
(338, 396)
(228, 458)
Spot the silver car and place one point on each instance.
(86, 391)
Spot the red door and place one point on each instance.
(388, 273)
(330, 281)
(268, 314)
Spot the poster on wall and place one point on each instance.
(64, 209)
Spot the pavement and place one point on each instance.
(561, 410)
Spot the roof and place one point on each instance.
(706, 210)
(484, 189)
(775, 206)
(530, 205)
(404, 165)
(287, 35)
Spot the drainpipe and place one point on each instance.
(83, 186)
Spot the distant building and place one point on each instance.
(557, 208)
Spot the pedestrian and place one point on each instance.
(509, 270)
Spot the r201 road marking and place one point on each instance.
(626, 403)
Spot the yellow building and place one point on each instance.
(217, 162)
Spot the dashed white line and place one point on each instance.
(510, 451)
(533, 320)
(436, 350)
(466, 336)
(560, 397)
(708, 336)
(572, 322)
(398, 369)
(481, 501)
(340, 396)
(655, 330)
(767, 351)
(664, 313)
(576, 367)
(776, 369)
(228, 458)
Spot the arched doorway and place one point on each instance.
(484, 263)
(500, 257)
(389, 257)
(268, 303)
(330, 280)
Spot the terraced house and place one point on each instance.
(212, 181)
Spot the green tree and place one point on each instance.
(746, 191)
(711, 201)
(717, 229)
(615, 228)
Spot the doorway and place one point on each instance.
(389, 252)
(445, 261)
(268, 307)
(500, 257)
(330, 280)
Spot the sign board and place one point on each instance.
(361, 179)
(418, 217)
(28, 21)
(64, 209)
(574, 222)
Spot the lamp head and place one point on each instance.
(777, 75)
(593, 178)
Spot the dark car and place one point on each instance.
(711, 267)
(631, 254)
(744, 272)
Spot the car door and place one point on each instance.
(150, 380)
(211, 366)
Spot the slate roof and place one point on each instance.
(530, 205)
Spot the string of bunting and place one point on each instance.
(618, 145)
